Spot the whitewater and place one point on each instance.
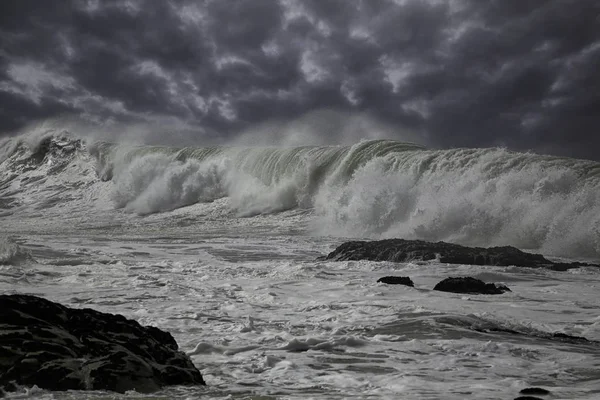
(218, 245)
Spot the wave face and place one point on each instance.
(374, 189)
(256, 180)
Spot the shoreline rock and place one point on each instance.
(60, 348)
(396, 280)
(401, 250)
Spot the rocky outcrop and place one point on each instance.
(400, 250)
(469, 285)
(396, 280)
(59, 348)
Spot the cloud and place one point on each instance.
(457, 72)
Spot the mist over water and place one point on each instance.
(371, 189)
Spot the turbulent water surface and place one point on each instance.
(218, 246)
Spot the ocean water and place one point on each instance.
(219, 247)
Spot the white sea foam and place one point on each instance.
(158, 182)
(11, 253)
(155, 182)
(327, 329)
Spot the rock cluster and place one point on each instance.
(465, 284)
(469, 285)
(58, 348)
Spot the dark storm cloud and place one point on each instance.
(519, 73)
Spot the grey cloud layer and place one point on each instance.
(518, 73)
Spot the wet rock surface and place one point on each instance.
(401, 250)
(59, 348)
(469, 285)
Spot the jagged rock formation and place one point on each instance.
(470, 286)
(401, 250)
(59, 348)
(396, 280)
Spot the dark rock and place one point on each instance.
(528, 398)
(400, 250)
(59, 348)
(397, 280)
(469, 285)
(534, 390)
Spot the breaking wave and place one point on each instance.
(256, 180)
(377, 188)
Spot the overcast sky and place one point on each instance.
(518, 73)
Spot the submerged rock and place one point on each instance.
(59, 348)
(401, 250)
(469, 285)
(396, 280)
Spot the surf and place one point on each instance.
(372, 189)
